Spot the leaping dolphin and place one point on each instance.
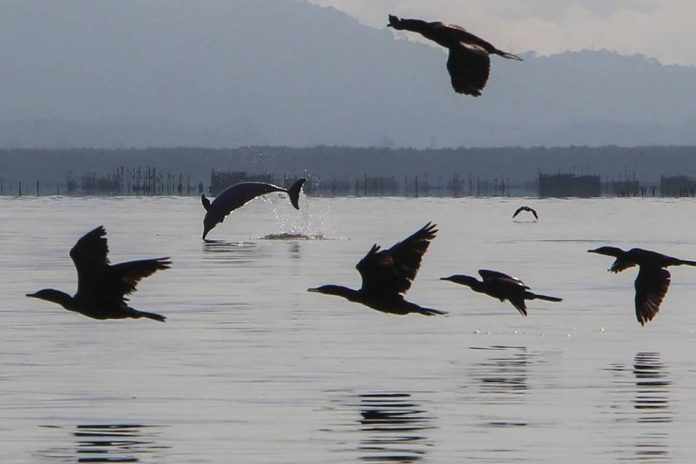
(240, 194)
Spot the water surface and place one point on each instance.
(249, 365)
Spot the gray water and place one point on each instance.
(250, 367)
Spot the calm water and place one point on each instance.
(250, 366)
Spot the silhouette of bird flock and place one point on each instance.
(387, 274)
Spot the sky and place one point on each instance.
(661, 29)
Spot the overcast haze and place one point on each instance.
(222, 73)
(663, 29)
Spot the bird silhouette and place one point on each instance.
(525, 208)
(501, 286)
(101, 286)
(652, 282)
(240, 194)
(468, 63)
(387, 274)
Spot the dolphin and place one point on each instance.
(240, 194)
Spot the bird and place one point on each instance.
(240, 194)
(387, 274)
(501, 286)
(525, 208)
(102, 287)
(468, 63)
(653, 279)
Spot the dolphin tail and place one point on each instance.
(206, 202)
(294, 193)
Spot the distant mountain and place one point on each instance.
(221, 73)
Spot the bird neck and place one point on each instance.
(344, 292)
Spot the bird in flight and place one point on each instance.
(525, 208)
(653, 279)
(501, 286)
(468, 63)
(102, 287)
(388, 274)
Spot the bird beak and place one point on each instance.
(33, 295)
(592, 251)
(446, 278)
(314, 290)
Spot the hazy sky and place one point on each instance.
(663, 29)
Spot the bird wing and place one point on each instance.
(518, 211)
(518, 302)
(534, 213)
(468, 67)
(121, 279)
(390, 272)
(488, 276)
(651, 287)
(89, 256)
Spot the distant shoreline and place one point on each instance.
(339, 171)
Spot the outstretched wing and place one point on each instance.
(651, 287)
(518, 211)
(89, 256)
(469, 68)
(121, 279)
(390, 272)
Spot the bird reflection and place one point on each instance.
(393, 427)
(105, 443)
(651, 402)
(502, 377)
(649, 409)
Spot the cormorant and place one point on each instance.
(652, 282)
(501, 286)
(468, 62)
(101, 286)
(525, 208)
(387, 274)
(239, 195)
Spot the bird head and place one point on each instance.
(608, 251)
(329, 290)
(54, 296)
(462, 280)
(395, 23)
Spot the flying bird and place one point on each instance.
(240, 194)
(525, 208)
(468, 63)
(501, 286)
(101, 286)
(387, 274)
(653, 280)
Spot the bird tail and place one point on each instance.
(294, 193)
(509, 56)
(547, 298)
(137, 314)
(431, 312)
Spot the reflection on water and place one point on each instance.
(294, 236)
(503, 377)
(650, 413)
(224, 251)
(393, 426)
(651, 402)
(109, 443)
